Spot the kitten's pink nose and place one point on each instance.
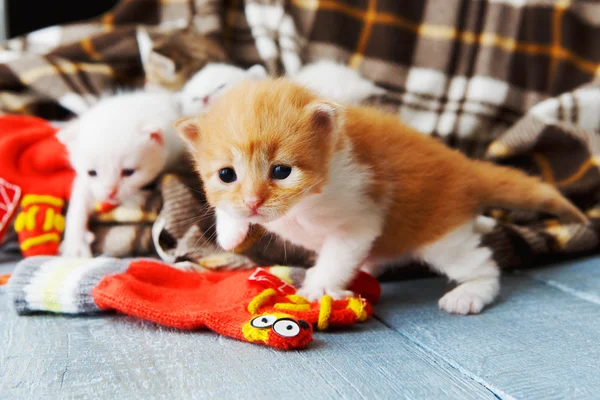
(253, 202)
(113, 194)
(205, 100)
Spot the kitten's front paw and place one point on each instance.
(461, 301)
(230, 236)
(315, 292)
(79, 248)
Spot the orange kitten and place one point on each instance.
(356, 186)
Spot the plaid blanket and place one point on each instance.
(517, 81)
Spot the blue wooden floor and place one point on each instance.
(540, 341)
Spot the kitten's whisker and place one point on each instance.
(300, 231)
(197, 217)
(270, 240)
(194, 190)
(202, 235)
(198, 221)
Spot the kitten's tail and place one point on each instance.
(499, 186)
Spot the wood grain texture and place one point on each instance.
(579, 278)
(48, 356)
(537, 342)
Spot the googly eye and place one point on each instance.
(286, 328)
(264, 321)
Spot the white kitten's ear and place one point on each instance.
(154, 134)
(188, 130)
(68, 134)
(325, 116)
(257, 72)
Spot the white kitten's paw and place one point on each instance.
(462, 301)
(79, 248)
(229, 236)
(315, 292)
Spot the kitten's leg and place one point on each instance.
(78, 239)
(231, 232)
(375, 269)
(337, 264)
(459, 256)
(378, 268)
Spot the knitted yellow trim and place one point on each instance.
(41, 199)
(253, 334)
(30, 217)
(358, 306)
(292, 307)
(49, 220)
(20, 222)
(34, 241)
(324, 312)
(259, 300)
(59, 223)
(294, 298)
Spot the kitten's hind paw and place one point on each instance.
(462, 302)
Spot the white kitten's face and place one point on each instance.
(211, 82)
(114, 171)
(121, 144)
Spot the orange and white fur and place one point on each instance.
(356, 186)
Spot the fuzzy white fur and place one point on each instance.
(211, 82)
(127, 131)
(336, 82)
(460, 257)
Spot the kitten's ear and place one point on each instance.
(154, 133)
(257, 72)
(188, 130)
(325, 116)
(67, 135)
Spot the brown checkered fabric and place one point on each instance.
(512, 80)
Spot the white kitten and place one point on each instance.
(116, 148)
(211, 82)
(336, 82)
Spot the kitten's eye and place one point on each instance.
(227, 175)
(92, 172)
(127, 172)
(281, 172)
(221, 87)
(197, 99)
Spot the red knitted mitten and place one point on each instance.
(232, 303)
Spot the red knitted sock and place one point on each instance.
(230, 303)
(35, 164)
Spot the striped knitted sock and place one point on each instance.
(59, 284)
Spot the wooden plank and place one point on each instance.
(537, 342)
(119, 357)
(6, 267)
(579, 278)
